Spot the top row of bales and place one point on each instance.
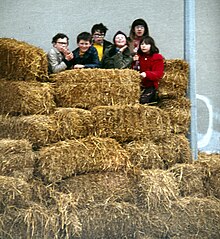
(23, 61)
(87, 88)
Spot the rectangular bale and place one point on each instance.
(38, 129)
(26, 98)
(179, 111)
(22, 61)
(130, 122)
(87, 88)
(72, 122)
(175, 80)
(16, 158)
(91, 154)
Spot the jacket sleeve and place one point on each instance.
(122, 61)
(118, 60)
(53, 62)
(95, 63)
(157, 71)
(107, 61)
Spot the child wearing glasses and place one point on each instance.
(98, 36)
(139, 29)
(151, 69)
(59, 55)
(85, 55)
(118, 55)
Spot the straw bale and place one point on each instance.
(16, 158)
(190, 178)
(87, 88)
(130, 122)
(173, 65)
(73, 122)
(112, 221)
(157, 189)
(175, 80)
(14, 192)
(36, 222)
(91, 154)
(38, 129)
(179, 112)
(20, 97)
(144, 154)
(193, 217)
(211, 165)
(94, 188)
(174, 149)
(43, 194)
(22, 61)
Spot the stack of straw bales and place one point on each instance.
(172, 93)
(81, 158)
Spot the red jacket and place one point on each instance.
(153, 66)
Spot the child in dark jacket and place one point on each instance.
(85, 55)
(118, 55)
(151, 65)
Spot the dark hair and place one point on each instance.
(120, 32)
(59, 35)
(99, 27)
(149, 40)
(137, 22)
(86, 36)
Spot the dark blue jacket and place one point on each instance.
(90, 58)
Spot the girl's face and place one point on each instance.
(139, 30)
(120, 40)
(145, 48)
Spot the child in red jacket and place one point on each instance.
(151, 66)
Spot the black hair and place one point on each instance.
(120, 32)
(99, 27)
(86, 36)
(60, 35)
(149, 40)
(137, 22)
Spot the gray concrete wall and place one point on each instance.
(208, 74)
(36, 22)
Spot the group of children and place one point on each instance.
(138, 52)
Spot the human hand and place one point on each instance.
(69, 56)
(143, 74)
(123, 48)
(135, 57)
(78, 66)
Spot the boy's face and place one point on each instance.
(98, 37)
(120, 40)
(84, 45)
(61, 44)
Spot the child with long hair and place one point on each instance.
(151, 66)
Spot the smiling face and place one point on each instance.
(84, 45)
(120, 40)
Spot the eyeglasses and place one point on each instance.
(62, 43)
(139, 27)
(99, 35)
